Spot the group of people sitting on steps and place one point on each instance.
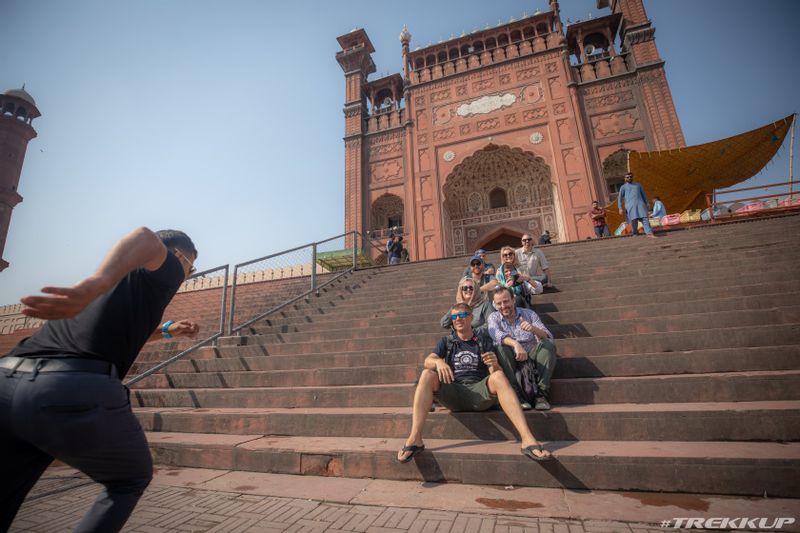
(498, 351)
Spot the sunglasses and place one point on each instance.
(508, 254)
(180, 256)
(475, 264)
(467, 288)
(460, 314)
(527, 240)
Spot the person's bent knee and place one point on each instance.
(498, 380)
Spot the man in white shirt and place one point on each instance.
(532, 261)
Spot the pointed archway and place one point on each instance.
(495, 195)
(500, 237)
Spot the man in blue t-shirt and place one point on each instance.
(464, 374)
(60, 391)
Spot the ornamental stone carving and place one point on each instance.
(523, 175)
(449, 155)
(536, 137)
(486, 104)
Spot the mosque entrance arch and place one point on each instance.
(496, 195)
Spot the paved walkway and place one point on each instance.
(200, 500)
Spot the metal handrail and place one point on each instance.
(198, 345)
(232, 313)
(713, 202)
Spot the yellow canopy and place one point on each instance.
(682, 177)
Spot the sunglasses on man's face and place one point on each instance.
(460, 314)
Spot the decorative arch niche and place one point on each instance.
(497, 190)
(615, 167)
(387, 212)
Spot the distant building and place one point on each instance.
(18, 109)
(511, 129)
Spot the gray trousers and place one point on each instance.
(543, 355)
(82, 419)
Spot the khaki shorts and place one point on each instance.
(466, 396)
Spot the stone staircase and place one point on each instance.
(688, 380)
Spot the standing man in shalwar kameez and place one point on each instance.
(636, 205)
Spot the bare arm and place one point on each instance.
(436, 364)
(140, 248)
(179, 328)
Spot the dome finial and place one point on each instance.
(405, 35)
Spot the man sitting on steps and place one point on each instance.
(464, 374)
(521, 330)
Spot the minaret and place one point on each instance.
(638, 36)
(355, 58)
(18, 111)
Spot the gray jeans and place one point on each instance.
(82, 419)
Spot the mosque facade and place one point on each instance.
(508, 130)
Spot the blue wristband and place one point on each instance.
(165, 329)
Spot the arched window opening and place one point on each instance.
(502, 40)
(491, 43)
(498, 198)
(419, 63)
(542, 28)
(465, 50)
(8, 109)
(442, 57)
(477, 46)
(430, 60)
(387, 213)
(596, 46)
(528, 32)
(516, 36)
(453, 53)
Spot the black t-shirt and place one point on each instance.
(465, 360)
(116, 325)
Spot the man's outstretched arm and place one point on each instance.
(140, 248)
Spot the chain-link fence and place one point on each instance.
(203, 298)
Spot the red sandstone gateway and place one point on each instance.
(499, 132)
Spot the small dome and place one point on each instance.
(21, 93)
(405, 35)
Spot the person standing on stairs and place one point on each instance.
(463, 374)
(60, 392)
(636, 206)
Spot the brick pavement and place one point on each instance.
(165, 508)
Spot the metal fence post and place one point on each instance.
(224, 304)
(233, 300)
(355, 249)
(314, 267)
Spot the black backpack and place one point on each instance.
(485, 344)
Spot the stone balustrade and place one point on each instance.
(486, 57)
(602, 68)
(385, 120)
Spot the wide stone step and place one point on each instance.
(320, 377)
(713, 387)
(645, 364)
(680, 388)
(597, 327)
(742, 468)
(630, 342)
(621, 312)
(721, 421)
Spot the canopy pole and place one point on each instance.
(791, 158)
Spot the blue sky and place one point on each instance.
(224, 119)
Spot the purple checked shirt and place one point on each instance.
(500, 328)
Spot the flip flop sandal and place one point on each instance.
(414, 451)
(528, 452)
